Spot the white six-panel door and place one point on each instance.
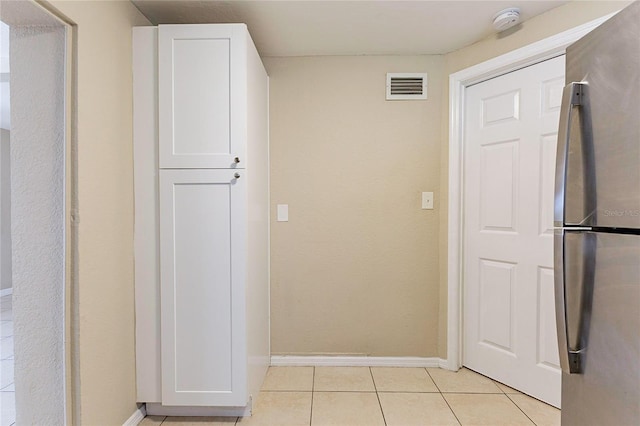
(202, 268)
(511, 126)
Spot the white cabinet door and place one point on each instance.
(510, 143)
(202, 95)
(202, 253)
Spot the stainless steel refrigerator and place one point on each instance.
(597, 220)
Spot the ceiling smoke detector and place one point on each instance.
(506, 19)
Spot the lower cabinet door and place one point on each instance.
(202, 258)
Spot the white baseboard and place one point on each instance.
(446, 365)
(6, 291)
(356, 361)
(157, 409)
(136, 417)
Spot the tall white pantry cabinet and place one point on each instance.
(201, 172)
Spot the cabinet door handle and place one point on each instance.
(236, 175)
(236, 160)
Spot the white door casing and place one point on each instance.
(202, 269)
(511, 125)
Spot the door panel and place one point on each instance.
(201, 237)
(501, 108)
(510, 142)
(498, 174)
(200, 124)
(202, 290)
(201, 80)
(547, 183)
(497, 281)
(547, 346)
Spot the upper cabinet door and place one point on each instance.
(202, 95)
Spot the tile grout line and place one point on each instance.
(473, 393)
(339, 391)
(514, 403)
(378, 396)
(442, 396)
(313, 387)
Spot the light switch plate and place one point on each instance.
(283, 212)
(427, 200)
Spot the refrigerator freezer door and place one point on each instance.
(607, 391)
(603, 168)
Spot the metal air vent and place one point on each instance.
(406, 86)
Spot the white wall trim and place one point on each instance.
(6, 292)
(157, 409)
(354, 361)
(458, 82)
(136, 417)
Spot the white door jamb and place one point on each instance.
(458, 82)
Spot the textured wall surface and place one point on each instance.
(37, 221)
(5, 209)
(355, 270)
(105, 389)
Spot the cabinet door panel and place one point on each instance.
(201, 82)
(201, 85)
(202, 237)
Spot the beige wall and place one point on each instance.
(355, 270)
(538, 28)
(359, 268)
(105, 345)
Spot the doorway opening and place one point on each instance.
(458, 86)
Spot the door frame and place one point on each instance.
(32, 12)
(458, 82)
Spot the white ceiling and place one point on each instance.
(302, 28)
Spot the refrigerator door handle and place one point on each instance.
(572, 95)
(561, 316)
(574, 257)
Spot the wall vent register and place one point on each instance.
(406, 86)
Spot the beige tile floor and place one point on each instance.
(363, 396)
